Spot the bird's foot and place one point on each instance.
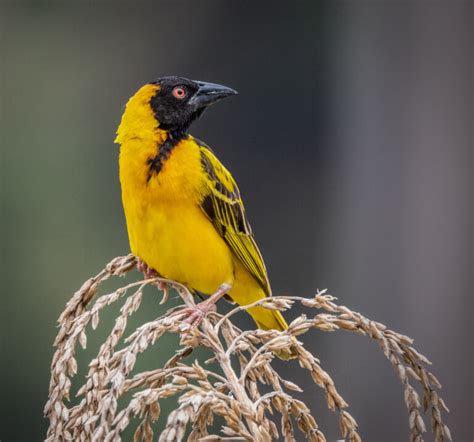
(149, 273)
(193, 316)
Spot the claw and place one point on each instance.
(165, 289)
(150, 273)
(193, 316)
(141, 266)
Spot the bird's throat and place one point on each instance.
(164, 150)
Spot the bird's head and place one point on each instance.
(171, 104)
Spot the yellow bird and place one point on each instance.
(185, 216)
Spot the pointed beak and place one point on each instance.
(209, 93)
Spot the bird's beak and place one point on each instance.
(209, 93)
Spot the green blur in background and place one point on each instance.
(350, 142)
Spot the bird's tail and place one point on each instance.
(267, 319)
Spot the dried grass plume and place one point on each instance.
(230, 393)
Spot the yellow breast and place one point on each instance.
(178, 182)
(167, 228)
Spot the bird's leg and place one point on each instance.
(150, 273)
(194, 315)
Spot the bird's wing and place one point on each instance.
(224, 207)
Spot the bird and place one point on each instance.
(184, 213)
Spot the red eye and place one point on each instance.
(179, 92)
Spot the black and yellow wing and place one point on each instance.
(223, 205)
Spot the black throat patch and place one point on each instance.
(155, 163)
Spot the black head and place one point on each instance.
(179, 101)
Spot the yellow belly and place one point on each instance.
(180, 243)
(167, 229)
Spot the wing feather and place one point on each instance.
(224, 207)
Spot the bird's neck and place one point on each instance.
(144, 146)
(138, 121)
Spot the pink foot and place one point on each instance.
(194, 315)
(150, 273)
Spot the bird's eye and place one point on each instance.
(179, 92)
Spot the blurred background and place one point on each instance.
(350, 140)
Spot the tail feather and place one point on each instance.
(267, 319)
(247, 289)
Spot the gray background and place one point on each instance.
(350, 140)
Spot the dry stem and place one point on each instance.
(203, 394)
